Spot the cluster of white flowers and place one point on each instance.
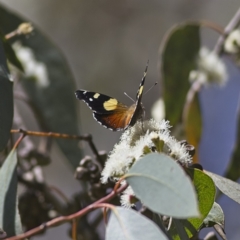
(32, 67)
(143, 138)
(210, 68)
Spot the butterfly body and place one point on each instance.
(109, 112)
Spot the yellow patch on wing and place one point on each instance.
(111, 104)
(96, 95)
(140, 90)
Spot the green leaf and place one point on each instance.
(163, 186)
(215, 216)
(178, 224)
(6, 101)
(54, 103)
(226, 186)
(11, 56)
(233, 171)
(9, 215)
(178, 53)
(193, 123)
(206, 191)
(127, 224)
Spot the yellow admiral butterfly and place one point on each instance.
(109, 112)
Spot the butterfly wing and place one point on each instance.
(138, 111)
(117, 120)
(99, 103)
(108, 111)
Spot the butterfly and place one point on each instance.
(111, 113)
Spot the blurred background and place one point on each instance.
(107, 44)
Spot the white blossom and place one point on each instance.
(210, 68)
(126, 198)
(232, 42)
(32, 67)
(158, 110)
(139, 140)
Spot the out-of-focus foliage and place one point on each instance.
(178, 53)
(9, 217)
(233, 171)
(128, 224)
(53, 102)
(6, 100)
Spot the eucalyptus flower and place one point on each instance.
(32, 67)
(137, 141)
(210, 68)
(232, 42)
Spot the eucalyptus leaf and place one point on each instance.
(9, 216)
(52, 96)
(226, 186)
(233, 170)
(215, 216)
(6, 100)
(178, 224)
(127, 224)
(163, 186)
(193, 123)
(206, 191)
(178, 53)
(11, 56)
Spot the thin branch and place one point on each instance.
(23, 29)
(60, 193)
(228, 29)
(59, 220)
(74, 229)
(19, 140)
(87, 137)
(50, 134)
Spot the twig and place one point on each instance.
(74, 229)
(228, 29)
(19, 140)
(60, 193)
(59, 220)
(23, 29)
(87, 137)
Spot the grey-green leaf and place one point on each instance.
(215, 216)
(127, 224)
(6, 101)
(163, 186)
(9, 216)
(226, 186)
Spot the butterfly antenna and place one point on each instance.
(129, 96)
(151, 87)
